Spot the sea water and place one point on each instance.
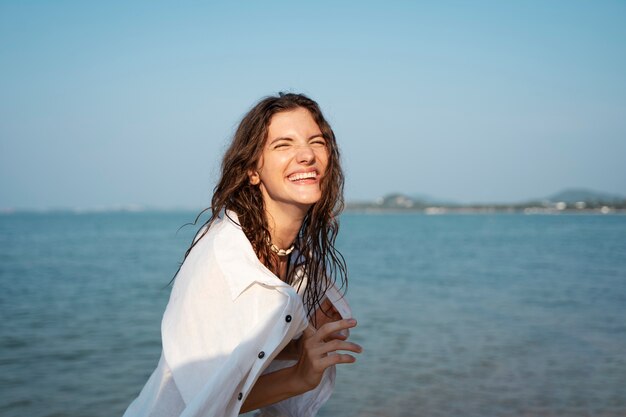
(459, 315)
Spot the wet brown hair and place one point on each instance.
(323, 263)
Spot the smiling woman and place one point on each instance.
(292, 164)
(255, 318)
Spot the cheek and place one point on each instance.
(322, 158)
(271, 166)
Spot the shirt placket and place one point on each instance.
(289, 317)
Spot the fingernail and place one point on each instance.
(351, 321)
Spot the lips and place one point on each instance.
(299, 176)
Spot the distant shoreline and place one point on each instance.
(429, 211)
(444, 211)
(567, 201)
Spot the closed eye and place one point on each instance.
(318, 141)
(281, 143)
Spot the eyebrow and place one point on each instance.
(317, 135)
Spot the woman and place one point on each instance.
(255, 320)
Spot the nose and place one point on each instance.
(305, 155)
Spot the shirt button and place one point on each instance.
(288, 318)
(261, 354)
(240, 396)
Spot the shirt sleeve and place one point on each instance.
(199, 353)
(217, 345)
(209, 339)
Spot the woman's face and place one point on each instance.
(293, 161)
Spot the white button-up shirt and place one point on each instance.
(227, 318)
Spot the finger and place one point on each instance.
(334, 345)
(331, 360)
(337, 335)
(334, 327)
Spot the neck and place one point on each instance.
(284, 223)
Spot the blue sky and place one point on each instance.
(111, 103)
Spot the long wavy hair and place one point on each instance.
(323, 263)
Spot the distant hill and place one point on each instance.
(577, 198)
(399, 201)
(432, 201)
(574, 195)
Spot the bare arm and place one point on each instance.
(307, 373)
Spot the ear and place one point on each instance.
(254, 178)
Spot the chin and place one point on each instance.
(309, 199)
(305, 204)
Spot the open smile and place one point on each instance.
(304, 177)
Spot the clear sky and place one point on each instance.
(112, 103)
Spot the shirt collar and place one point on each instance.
(237, 259)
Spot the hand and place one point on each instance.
(315, 354)
(318, 351)
(326, 313)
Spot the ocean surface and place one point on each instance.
(459, 315)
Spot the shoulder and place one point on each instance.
(209, 265)
(233, 252)
(222, 240)
(231, 255)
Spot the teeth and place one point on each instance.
(302, 176)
